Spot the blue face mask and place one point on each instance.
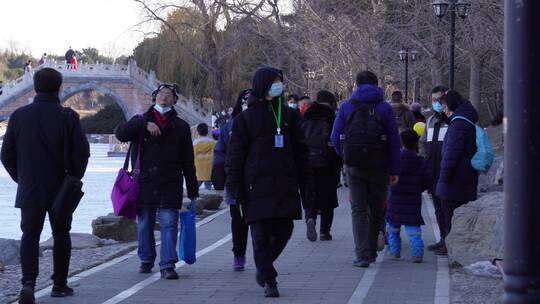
(161, 109)
(437, 107)
(276, 89)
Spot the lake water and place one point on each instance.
(98, 181)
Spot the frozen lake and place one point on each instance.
(98, 182)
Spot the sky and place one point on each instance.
(52, 26)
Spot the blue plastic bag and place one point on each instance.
(187, 239)
(483, 158)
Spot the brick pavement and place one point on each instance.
(319, 272)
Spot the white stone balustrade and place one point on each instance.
(130, 72)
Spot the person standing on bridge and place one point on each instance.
(265, 165)
(33, 155)
(166, 158)
(371, 145)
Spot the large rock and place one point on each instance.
(477, 231)
(116, 228)
(9, 251)
(80, 241)
(210, 201)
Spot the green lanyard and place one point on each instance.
(278, 116)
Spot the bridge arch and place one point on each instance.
(89, 86)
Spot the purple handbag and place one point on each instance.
(126, 187)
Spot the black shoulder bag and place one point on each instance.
(70, 194)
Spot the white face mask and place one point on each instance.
(244, 107)
(276, 89)
(293, 105)
(161, 109)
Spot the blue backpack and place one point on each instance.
(483, 158)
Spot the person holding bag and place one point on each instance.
(45, 152)
(166, 158)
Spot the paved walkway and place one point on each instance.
(319, 272)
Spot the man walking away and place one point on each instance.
(404, 116)
(33, 155)
(371, 151)
(320, 191)
(431, 144)
(264, 165)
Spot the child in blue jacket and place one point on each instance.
(405, 201)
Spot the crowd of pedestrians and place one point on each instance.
(278, 160)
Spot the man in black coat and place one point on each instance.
(320, 192)
(33, 155)
(264, 163)
(166, 157)
(430, 146)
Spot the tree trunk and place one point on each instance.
(475, 81)
(436, 72)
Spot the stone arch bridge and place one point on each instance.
(128, 85)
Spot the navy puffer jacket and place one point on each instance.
(405, 200)
(458, 180)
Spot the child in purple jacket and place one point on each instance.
(405, 201)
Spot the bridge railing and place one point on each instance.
(147, 80)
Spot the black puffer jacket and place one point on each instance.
(165, 160)
(265, 179)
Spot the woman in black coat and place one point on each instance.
(264, 162)
(320, 192)
(166, 157)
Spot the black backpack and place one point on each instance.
(365, 145)
(316, 134)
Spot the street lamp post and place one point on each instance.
(461, 8)
(404, 57)
(521, 153)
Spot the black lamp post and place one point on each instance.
(521, 157)
(404, 56)
(461, 8)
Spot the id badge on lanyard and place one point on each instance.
(278, 138)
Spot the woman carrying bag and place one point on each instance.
(166, 157)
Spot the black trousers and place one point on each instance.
(269, 239)
(439, 214)
(448, 209)
(327, 217)
(32, 220)
(239, 230)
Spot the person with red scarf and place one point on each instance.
(166, 158)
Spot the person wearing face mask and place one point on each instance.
(458, 180)
(292, 101)
(265, 164)
(430, 148)
(166, 158)
(239, 227)
(320, 191)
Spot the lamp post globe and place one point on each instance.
(440, 7)
(462, 8)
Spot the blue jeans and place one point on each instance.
(168, 222)
(415, 239)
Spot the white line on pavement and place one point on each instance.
(155, 277)
(363, 287)
(119, 259)
(442, 283)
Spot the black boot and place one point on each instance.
(271, 291)
(146, 268)
(441, 251)
(27, 294)
(59, 291)
(435, 246)
(169, 274)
